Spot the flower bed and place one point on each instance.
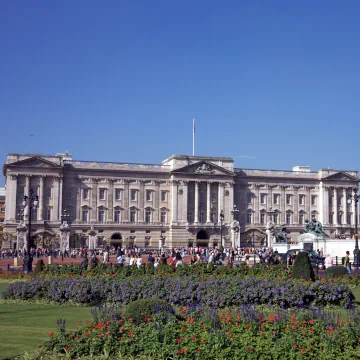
(211, 292)
(242, 334)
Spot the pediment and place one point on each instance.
(35, 161)
(203, 168)
(341, 176)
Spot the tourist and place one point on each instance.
(138, 261)
(347, 262)
(163, 259)
(328, 261)
(106, 256)
(157, 263)
(94, 259)
(84, 262)
(121, 260)
(132, 260)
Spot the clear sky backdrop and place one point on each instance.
(271, 83)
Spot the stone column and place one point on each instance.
(157, 202)
(55, 212)
(196, 210)
(321, 203)
(308, 201)
(345, 206)
(174, 200)
(220, 199)
(323, 208)
(256, 203)
(11, 193)
(41, 199)
(296, 205)
(335, 207)
(228, 217)
(185, 202)
(110, 201)
(126, 200)
(60, 197)
(142, 201)
(27, 193)
(282, 204)
(208, 202)
(78, 204)
(93, 204)
(353, 204)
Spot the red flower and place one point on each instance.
(108, 333)
(67, 348)
(122, 339)
(193, 337)
(312, 322)
(180, 351)
(311, 331)
(271, 319)
(148, 319)
(295, 347)
(229, 335)
(179, 340)
(247, 326)
(100, 336)
(185, 350)
(130, 320)
(183, 327)
(303, 351)
(40, 346)
(198, 349)
(122, 329)
(251, 350)
(203, 340)
(50, 334)
(79, 323)
(130, 334)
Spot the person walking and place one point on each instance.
(328, 261)
(347, 262)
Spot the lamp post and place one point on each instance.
(350, 199)
(221, 228)
(32, 202)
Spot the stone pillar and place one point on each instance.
(282, 204)
(220, 199)
(60, 198)
(345, 206)
(110, 201)
(41, 199)
(196, 210)
(323, 208)
(256, 204)
(353, 219)
(321, 203)
(208, 202)
(27, 193)
(185, 202)
(142, 201)
(55, 212)
(174, 200)
(157, 202)
(11, 193)
(78, 204)
(228, 217)
(335, 206)
(126, 200)
(308, 201)
(93, 204)
(296, 205)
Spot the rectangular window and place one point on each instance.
(190, 217)
(163, 217)
(85, 215)
(249, 198)
(117, 194)
(85, 194)
(288, 219)
(117, 216)
(48, 193)
(71, 193)
(313, 199)
(249, 218)
(148, 216)
(276, 198)
(133, 195)
(102, 194)
(288, 199)
(301, 199)
(132, 216)
(301, 219)
(262, 218)
(263, 198)
(276, 218)
(148, 195)
(101, 216)
(47, 214)
(34, 214)
(331, 218)
(163, 196)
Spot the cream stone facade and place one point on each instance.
(175, 203)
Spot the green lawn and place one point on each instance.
(25, 326)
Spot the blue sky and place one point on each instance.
(271, 83)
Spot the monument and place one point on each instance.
(314, 236)
(92, 238)
(64, 237)
(21, 236)
(276, 235)
(235, 234)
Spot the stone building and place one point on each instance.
(177, 202)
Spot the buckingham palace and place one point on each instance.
(184, 200)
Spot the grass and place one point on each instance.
(25, 326)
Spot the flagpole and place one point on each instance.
(193, 137)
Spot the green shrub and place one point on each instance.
(302, 268)
(335, 271)
(39, 266)
(142, 309)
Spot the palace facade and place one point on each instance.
(175, 203)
